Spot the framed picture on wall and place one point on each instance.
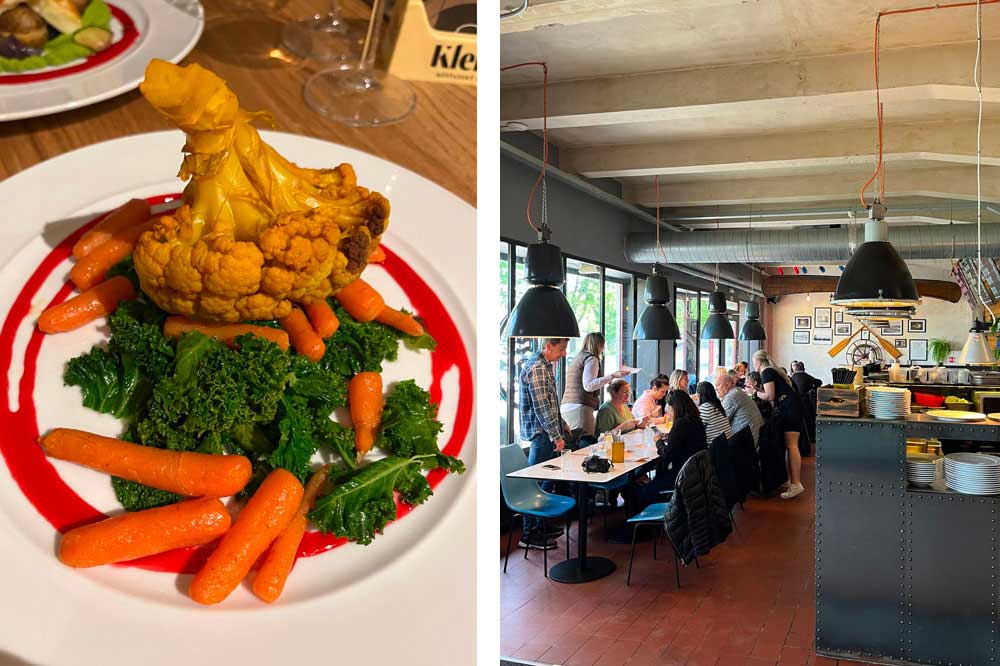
(804, 322)
(823, 337)
(916, 326)
(842, 328)
(823, 318)
(838, 316)
(918, 350)
(893, 329)
(800, 337)
(900, 343)
(864, 334)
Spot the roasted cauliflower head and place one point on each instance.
(256, 233)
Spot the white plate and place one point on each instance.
(955, 415)
(409, 597)
(168, 29)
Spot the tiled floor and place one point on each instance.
(752, 602)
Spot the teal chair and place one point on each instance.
(525, 498)
(652, 516)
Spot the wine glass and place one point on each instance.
(360, 95)
(328, 37)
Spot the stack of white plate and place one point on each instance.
(888, 402)
(923, 469)
(972, 473)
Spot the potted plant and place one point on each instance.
(939, 350)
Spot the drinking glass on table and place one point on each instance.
(325, 36)
(358, 94)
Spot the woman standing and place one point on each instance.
(713, 415)
(584, 381)
(777, 389)
(614, 415)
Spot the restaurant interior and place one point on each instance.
(748, 388)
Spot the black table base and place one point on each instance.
(575, 571)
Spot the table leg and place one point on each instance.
(582, 569)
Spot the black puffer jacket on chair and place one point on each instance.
(697, 518)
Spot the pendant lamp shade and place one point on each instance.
(543, 311)
(717, 326)
(657, 321)
(876, 276)
(752, 328)
(976, 351)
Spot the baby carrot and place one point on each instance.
(322, 318)
(95, 302)
(181, 472)
(401, 321)
(263, 518)
(280, 558)
(130, 214)
(377, 256)
(360, 300)
(131, 535)
(91, 269)
(302, 336)
(176, 326)
(364, 396)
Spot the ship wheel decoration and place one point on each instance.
(864, 352)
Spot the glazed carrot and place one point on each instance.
(181, 472)
(131, 535)
(176, 326)
(280, 558)
(95, 302)
(360, 300)
(401, 321)
(322, 318)
(377, 256)
(263, 518)
(130, 213)
(364, 396)
(91, 270)
(302, 336)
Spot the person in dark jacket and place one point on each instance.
(697, 518)
(686, 437)
(802, 380)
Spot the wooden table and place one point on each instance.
(583, 569)
(438, 140)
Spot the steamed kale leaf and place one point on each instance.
(111, 384)
(137, 497)
(410, 427)
(359, 346)
(137, 329)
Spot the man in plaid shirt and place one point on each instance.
(541, 424)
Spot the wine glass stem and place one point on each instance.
(368, 50)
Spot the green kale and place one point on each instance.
(363, 504)
(137, 497)
(410, 427)
(359, 347)
(111, 384)
(339, 438)
(297, 437)
(137, 329)
(325, 390)
(126, 268)
(417, 342)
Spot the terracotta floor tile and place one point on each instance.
(799, 640)
(823, 661)
(557, 654)
(531, 651)
(769, 651)
(795, 655)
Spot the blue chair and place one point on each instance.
(604, 488)
(652, 516)
(525, 498)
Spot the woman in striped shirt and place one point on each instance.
(713, 416)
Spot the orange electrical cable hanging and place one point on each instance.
(880, 164)
(545, 129)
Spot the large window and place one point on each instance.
(583, 291)
(619, 313)
(687, 303)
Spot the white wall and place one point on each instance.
(950, 321)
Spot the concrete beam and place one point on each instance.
(909, 74)
(932, 143)
(956, 182)
(545, 13)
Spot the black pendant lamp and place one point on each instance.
(752, 328)
(717, 326)
(657, 321)
(543, 311)
(876, 276)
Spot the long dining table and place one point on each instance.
(640, 454)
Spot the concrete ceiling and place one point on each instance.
(760, 103)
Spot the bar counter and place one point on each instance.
(903, 575)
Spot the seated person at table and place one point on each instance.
(614, 416)
(741, 410)
(712, 413)
(686, 438)
(648, 404)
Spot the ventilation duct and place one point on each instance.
(808, 246)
